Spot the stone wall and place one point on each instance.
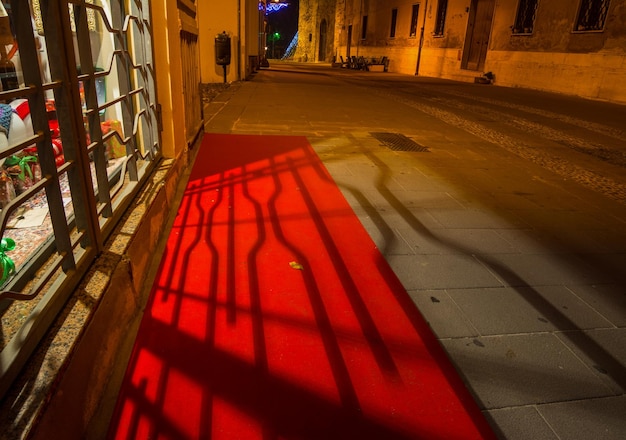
(316, 31)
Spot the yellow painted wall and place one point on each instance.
(252, 51)
(215, 18)
(167, 54)
(599, 76)
(240, 20)
(169, 76)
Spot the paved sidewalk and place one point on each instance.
(512, 245)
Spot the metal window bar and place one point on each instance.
(525, 17)
(150, 133)
(592, 15)
(67, 233)
(440, 22)
(92, 113)
(52, 269)
(138, 80)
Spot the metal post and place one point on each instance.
(421, 43)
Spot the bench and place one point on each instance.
(382, 61)
(362, 63)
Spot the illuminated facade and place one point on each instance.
(242, 20)
(574, 47)
(316, 26)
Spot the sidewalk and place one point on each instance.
(274, 316)
(504, 243)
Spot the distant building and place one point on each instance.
(568, 46)
(316, 29)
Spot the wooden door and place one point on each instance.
(477, 37)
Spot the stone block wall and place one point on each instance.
(316, 31)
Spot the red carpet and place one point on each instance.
(275, 317)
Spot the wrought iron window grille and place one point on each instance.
(525, 17)
(592, 15)
(440, 22)
(83, 141)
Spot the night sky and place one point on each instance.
(285, 22)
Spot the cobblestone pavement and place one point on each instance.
(523, 129)
(506, 225)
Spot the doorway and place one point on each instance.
(322, 48)
(349, 42)
(477, 36)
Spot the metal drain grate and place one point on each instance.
(399, 142)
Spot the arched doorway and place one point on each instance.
(322, 49)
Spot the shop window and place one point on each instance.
(75, 147)
(525, 17)
(414, 14)
(440, 22)
(394, 20)
(592, 15)
(364, 28)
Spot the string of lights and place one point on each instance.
(275, 7)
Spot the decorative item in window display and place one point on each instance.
(7, 190)
(8, 73)
(7, 266)
(114, 148)
(57, 148)
(13, 128)
(20, 169)
(55, 134)
(16, 125)
(23, 167)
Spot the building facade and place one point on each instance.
(567, 46)
(316, 31)
(242, 22)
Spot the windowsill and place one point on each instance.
(588, 31)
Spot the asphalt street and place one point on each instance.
(501, 210)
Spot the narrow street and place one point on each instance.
(503, 215)
(578, 139)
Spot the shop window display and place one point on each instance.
(29, 226)
(16, 170)
(78, 138)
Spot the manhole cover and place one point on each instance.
(399, 142)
